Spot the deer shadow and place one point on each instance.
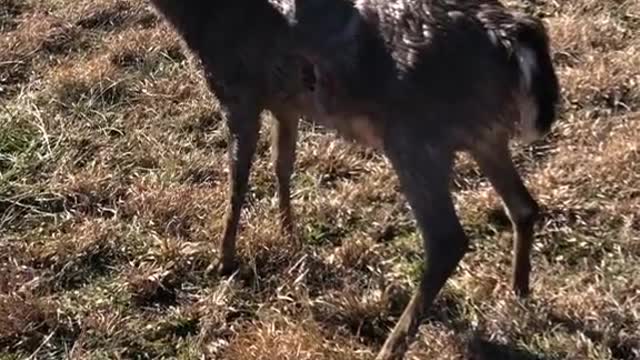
(478, 348)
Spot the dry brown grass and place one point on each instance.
(113, 187)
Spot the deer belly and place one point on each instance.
(357, 128)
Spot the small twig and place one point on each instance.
(43, 130)
(11, 62)
(44, 342)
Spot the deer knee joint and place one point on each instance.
(524, 215)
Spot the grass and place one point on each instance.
(113, 189)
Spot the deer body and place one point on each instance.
(468, 61)
(417, 79)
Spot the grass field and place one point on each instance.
(113, 187)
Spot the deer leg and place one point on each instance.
(523, 210)
(244, 128)
(285, 135)
(424, 179)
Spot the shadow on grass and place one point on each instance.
(621, 348)
(448, 309)
(481, 349)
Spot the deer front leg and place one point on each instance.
(244, 127)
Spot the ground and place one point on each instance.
(113, 183)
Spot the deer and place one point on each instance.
(418, 80)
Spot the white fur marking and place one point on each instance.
(526, 103)
(527, 63)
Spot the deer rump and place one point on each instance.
(461, 60)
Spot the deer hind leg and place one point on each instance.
(285, 135)
(424, 179)
(496, 163)
(244, 126)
